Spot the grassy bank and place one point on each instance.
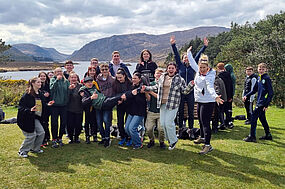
(232, 164)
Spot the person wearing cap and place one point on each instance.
(93, 99)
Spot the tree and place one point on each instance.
(3, 48)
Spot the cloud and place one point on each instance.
(69, 24)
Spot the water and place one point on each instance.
(80, 69)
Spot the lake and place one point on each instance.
(79, 68)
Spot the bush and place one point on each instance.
(11, 91)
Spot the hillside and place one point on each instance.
(40, 53)
(16, 55)
(131, 45)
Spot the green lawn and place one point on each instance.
(232, 164)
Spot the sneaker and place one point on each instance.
(129, 142)
(122, 142)
(37, 151)
(247, 122)
(172, 146)
(150, 144)
(231, 125)
(59, 141)
(222, 127)
(199, 140)
(54, 144)
(162, 145)
(138, 147)
(249, 139)
(70, 141)
(23, 154)
(107, 143)
(266, 137)
(87, 140)
(206, 149)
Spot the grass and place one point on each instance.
(232, 164)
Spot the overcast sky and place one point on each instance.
(69, 24)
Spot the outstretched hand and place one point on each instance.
(50, 103)
(219, 100)
(135, 92)
(172, 40)
(189, 49)
(123, 97)
(206, 41)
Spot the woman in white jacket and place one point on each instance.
(205, 96)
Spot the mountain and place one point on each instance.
(16, 55)
(131, 45)
(40, 53)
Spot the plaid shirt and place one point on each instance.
(177, 87)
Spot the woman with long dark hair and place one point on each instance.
(31, 108)
(45, 90)
(136, 111)
(122, 84)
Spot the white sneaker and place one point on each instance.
(37, 152)
(23, 154)
(172, 146)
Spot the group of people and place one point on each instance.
(150, 98)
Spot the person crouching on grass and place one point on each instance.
(32, 106)
(264, 97)
(93, 99)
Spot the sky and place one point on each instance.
(67, 25)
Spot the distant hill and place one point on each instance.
(131, 45)
(16, 55)
(40, 53)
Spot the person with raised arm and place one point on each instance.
(206, 97)
(187, 73)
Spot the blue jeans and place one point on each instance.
(106, 117)
(131, 128)
(167, 123)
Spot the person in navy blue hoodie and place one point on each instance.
(117, 63)
(188, 74)
(264, 97)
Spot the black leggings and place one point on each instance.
(74, 124)
(205, 111)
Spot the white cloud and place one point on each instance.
(68, 25)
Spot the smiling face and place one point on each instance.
(58, 71)
(92, 72)
(88, 84)
(43, 77)
(94, 63)
(116, 58)
(136, 80)
(121, 78)
(203, 68)
(73, 79)
(50, 75)
(185, 58)
(248, 72)
(69, 67)
(171, 70)
(37, 84)
(146, 56)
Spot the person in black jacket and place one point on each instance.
(136, 111)
(226, 77)
(32, 106)
(45, 90)
(146, 67)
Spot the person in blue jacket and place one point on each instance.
(188, 74)
(117, 63)
(264, 97)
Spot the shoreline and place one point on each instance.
(28, 66)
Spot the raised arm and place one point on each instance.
(175, 51)
(206, 42)
(193, 63)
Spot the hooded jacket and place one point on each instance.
(121, 65)
(230, 69)
(86, 99)
(59, 91)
